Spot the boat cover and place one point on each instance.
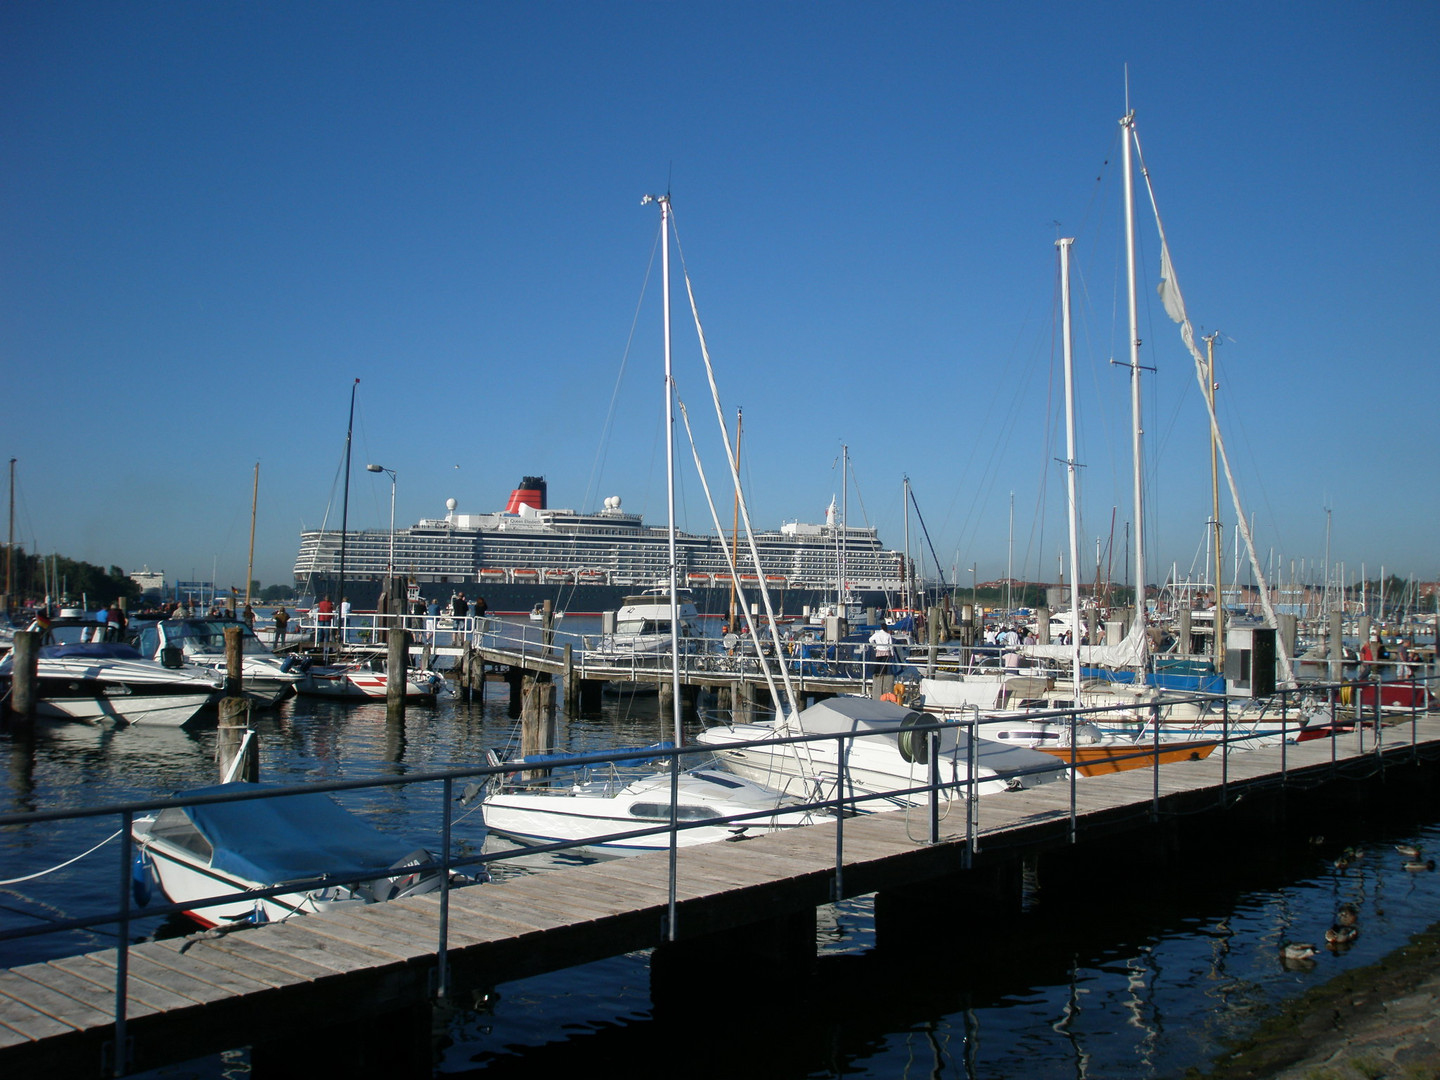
(860, 714)
(271, 841)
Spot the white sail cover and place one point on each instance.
(1132, 652)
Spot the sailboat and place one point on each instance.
(356, 677)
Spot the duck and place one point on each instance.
(1416, 865)
(1348, 915)
(1410, 851)
(1341, 935)
(1296, 950)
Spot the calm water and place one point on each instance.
(1145, 981)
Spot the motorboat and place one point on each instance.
(81, 677)
(200, 852)
(643, 629)
(537, 613)
(600, 811)
(263, 675)
(881, 754)
(363, 678)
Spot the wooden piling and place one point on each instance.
(235, 739)
(24, 684)
(537, 717)
(397, 664)
(231, 742)
(570, 680)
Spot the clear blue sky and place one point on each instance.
(215, 216)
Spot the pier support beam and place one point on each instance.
(515, 679)
(397, 1043)
(912, 917)
(764, 961)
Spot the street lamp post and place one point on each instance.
(390, 569)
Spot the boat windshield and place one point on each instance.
(208, 636)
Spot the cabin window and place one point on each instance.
(661, 812)
(174, 826)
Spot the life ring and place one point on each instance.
(892, 696)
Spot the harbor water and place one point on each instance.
(1151, 975)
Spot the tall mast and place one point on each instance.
(908, 595)
(1217, 646)
(10, 545)
(345, 502)
(250, 566)
(735, 527)
(664, 203)
(1128, 123)
(1070, 466)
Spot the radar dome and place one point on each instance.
(450, 505)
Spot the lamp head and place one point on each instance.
(375, 468)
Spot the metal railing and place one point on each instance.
(842, 801)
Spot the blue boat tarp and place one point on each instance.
(91, 650)
(271, 841)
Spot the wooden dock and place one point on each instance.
(282, 985)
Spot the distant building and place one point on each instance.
(150, 581)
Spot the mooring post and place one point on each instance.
(397, 665)
(24, 689)
(537, 717)
(570, 681)
(236, 749)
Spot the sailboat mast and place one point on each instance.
(735, 527)
(909, 573)
(1217, 646)
(10, 545)
(1128, 123)
(664, 201)
(345, 502)
(250, 565)
(1070, 465)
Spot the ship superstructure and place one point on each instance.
(529, 552)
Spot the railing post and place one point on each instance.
(1074, 776)
(932, 744)
(442, 962)
(837, 888)
(120, 1059)
(1155, 779)
(1225, 760)
(972, 807)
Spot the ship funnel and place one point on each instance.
(531, 493)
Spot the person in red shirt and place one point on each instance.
(325, 617)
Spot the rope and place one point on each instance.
(42, 873)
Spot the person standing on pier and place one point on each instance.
(282, 620)
(324, 618)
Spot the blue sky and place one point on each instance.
(215, 217)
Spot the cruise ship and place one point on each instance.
(587, 563)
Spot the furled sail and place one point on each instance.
(1169, 289)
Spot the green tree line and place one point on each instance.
(36, 575)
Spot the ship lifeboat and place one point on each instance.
(558, 577)
(749, 579)
(590, 577)
(525, 574)
(775, 581)
(723, 579)
(492, 575)
(697, 580)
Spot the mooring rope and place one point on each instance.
(42, 873)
